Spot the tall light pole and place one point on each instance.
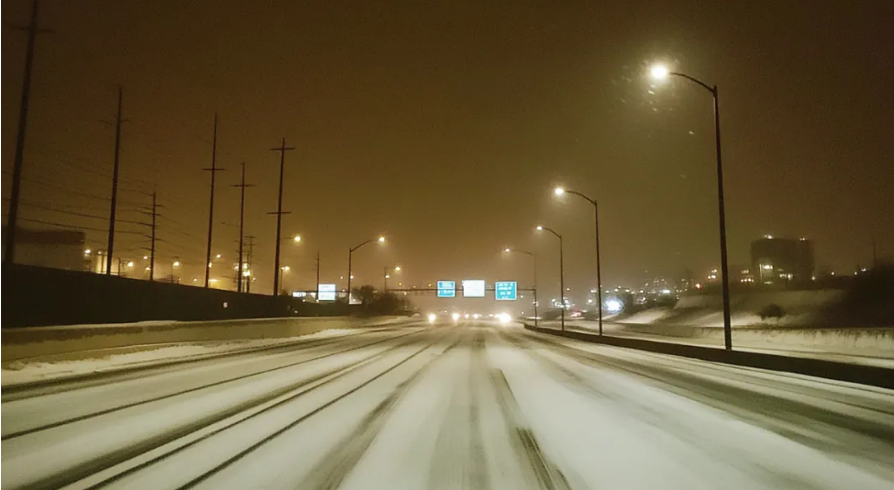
(534, 258)
(560, 191)
(660, 72)
(381, 239)
(561, 270)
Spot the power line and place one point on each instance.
(85, 228)
(180, 246)
(67, 160)
(73, 192)
(75, 213)
(170, 226)
(73, 206)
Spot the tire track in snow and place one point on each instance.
(118, 408)
(461, 426)
(478, 369)
(84, 470)
(44, 387)
(545, 471)
(217, 469)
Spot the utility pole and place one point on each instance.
(12, 221)
(279, 212)
(874, 254)
(114, 206)
(241, 187)
(250, 255)
(318, 276)
(152, 238)
(213, 171)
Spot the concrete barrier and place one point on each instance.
(854, 373)
(36, 342)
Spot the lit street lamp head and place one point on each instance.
(297, 238)
(659, 72)
(397, 269)
(508, 250)
(176, 263)
(381, 239)
(539, 228)
(559, 191)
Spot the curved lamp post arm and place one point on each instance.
(707, 87)
(591, 201)
(354, 249)
(552, 231)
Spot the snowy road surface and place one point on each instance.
(474, 405)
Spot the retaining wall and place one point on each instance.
(36, 342)
(35, 296)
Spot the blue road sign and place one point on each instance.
(506, 290)
(446, 289)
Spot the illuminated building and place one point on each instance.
(781, 260)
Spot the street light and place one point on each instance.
(277, 285)
(282, 270)
(380, 239)
(660, 72)
(388, 276)
(559, 191)
(534, 258)
(174, 264)
(561, 270)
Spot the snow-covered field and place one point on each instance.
(452, 406)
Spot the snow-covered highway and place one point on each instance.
(472, 405)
